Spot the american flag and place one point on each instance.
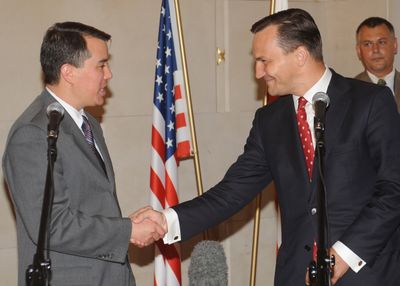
(170, 138)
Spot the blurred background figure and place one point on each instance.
(376, 48)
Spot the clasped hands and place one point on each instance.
(148, 226)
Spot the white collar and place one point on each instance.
(75, 114)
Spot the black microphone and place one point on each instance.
(320, 102)
(208, 265)
(55, 113)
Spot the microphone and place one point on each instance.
(320, 102)
(208, 265)
(55, 113)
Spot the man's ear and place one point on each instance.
(67, 72)
(358, 50)
(302, 55)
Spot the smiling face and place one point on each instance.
(272, 63)
(376, 48)
(91, 78)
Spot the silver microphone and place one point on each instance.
(320, 102)
(55, 113)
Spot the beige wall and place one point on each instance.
(127, 114)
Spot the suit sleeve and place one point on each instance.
(72, 231)
(379, 219)
(242, 182)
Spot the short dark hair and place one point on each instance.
(296, 28)
(65, 43)
(372, 22)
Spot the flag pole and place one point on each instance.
(189, 101)
(195, 154)
(257, 213)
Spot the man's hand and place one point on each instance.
(150, 214)
(338, 270)
(144, 230)
(340, 267)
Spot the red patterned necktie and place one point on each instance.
(305, 136)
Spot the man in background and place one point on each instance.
(89, 238)
(376, 48)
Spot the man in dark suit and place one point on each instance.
(362, 163)
(376, 48)
(89, 238)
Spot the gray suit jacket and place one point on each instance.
(89, 238)
(364, 77)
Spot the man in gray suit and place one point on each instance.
(89, 238)
(376, 48)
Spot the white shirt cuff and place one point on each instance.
(352, 259)
(174, 231)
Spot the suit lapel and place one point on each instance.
(337, 110)
(74, 133)
(397, 89)
(101, 144)
(288, 131)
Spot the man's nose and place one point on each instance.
(375, 47)
(259, 70)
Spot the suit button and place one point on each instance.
(313, 211)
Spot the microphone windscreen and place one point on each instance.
(208, 265)
(55, 106)
(321, 96)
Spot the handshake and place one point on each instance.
(148, 226)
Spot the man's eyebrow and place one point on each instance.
(260, 59)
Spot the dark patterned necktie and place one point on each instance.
(381, 82)
(87, 131)
(305, 136)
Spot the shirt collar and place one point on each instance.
(75, 114)
(320, 86)
(389, 78)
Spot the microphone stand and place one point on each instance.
(320, 271)
(39, 272)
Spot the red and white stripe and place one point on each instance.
(163, 173)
